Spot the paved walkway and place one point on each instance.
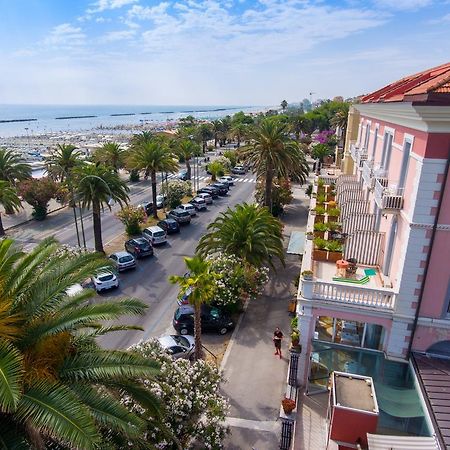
(255, 377)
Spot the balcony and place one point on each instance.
(361, 156)
(367, 173)
(354, 151)
(388, 196)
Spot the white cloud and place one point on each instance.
(443, 19)
(114, 36)
(103, 5)
(402, 5)
(65, 34)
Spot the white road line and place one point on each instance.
(245, 181)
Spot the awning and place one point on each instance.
(384, 442)
(296, 243)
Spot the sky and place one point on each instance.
(213, 52)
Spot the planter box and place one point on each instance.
(334, 256)
(332, 218)
(319, 219)
(319, 255)
(320, 234)
(331, 198)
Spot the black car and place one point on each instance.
(180, 215)
(213, 192)
(213, 319)
(170, 226)
(223, 190)
(147, 207)
(139, 247)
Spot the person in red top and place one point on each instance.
(277, 337)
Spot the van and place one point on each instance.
(155, 235)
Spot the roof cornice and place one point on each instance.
(427, 118)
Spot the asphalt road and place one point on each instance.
(149, 281)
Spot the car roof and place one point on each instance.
(167, 341)
(138, 239)
(169, 220)
(121, 254)
(186, 205)
(199, 198)
(154, 228)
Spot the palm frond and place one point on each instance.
(11, 371)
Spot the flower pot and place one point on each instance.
(288, 405)
(295, 348)
(331, 198)
(307, 288)
(319, 255)
(334, 256)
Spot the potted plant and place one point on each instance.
(310, 235)
(288, 405)
(320, 199)
(307, 275)
(320, 213)
(331, 204)
(331, 196)
(295, 341)
(320, 250)
(320, 187)
(334, 251)
(319, 229)
(334, 231)
(333, 214)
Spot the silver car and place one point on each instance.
(178, 346)
(123, 260)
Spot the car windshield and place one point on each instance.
(106, 277)
(182, 213)
(126, 258)
(214, 312)
(181, 340)
(158, 233)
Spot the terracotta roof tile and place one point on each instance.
(435, 80)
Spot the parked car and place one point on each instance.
(180, 215)
(170, 226)
(239, 170)
(183, 299)
(178, 346)
(147, 207)
(160, 201)
(198, 203)
(73, 290)
(227, 179)
(123, 260)
(139, 247)
(223, 190)
(189, 208)
(205, 196)
(104, 281)
(155, 235)
(213, 319)
(213, 192)
(183, 175)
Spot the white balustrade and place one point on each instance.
(354, 151)
(367, 174)
(342, 293)
(388, 196)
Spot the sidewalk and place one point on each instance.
(255, 377)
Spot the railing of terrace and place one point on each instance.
(388, 196)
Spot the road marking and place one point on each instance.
(260, 425)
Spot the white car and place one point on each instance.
(160, 201)
(207, 197)
(189, 208)
(104, 281)
(123, 260)
(178, 346)
(73, 290)
(198, 203)
(227, 179)
(155, 235)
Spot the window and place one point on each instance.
(387, 148)
(405, 164)
(374, 147)
(367, 137)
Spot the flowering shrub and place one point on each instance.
(132, 217)
(175, 191)
(224, 162)
(326, 137)
(237, 281)
(194, 409)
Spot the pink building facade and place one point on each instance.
(395, 212)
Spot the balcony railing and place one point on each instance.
(388, 197)
(367, 173)
(341, 293)
(354, 151)
(361, 156)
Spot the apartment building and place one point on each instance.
(386, 291)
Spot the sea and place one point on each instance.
(25, 120)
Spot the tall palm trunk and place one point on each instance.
(155, 210)
(97, 222)
(198, 331)
(188, 167)
(215, 140)
(268, 186)
(2, 230)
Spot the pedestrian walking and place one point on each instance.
(277, 337)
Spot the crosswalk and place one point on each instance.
(208, 178)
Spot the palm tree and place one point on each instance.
(152, 157)
(272, 153)
(186, 149)
(64, 160)
(248, 232)
(217, 127)
(112, 155)
(215, 169)
(13, 167)
(204, 134)
(238, 131)
(98, 186)
(9, 200)
(201, 281)
(59, 388)
(284, 105)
